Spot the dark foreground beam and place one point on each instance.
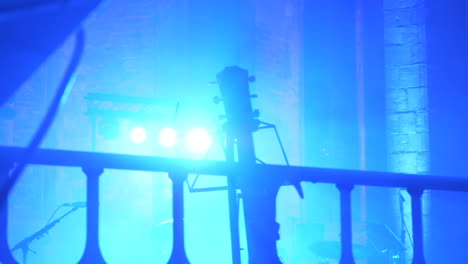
(307, 174)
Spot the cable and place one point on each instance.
(46, 121)
(278, 138)
(295, 183)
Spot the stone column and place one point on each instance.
(406, 84)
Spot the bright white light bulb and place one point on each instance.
(198, 140)
(138, 135)
(168, 137)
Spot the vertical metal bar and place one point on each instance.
(416, 214)
(5, 254)
(92, 253)
(178, 255)
(234, 220)
(233, 204)
(346, 231)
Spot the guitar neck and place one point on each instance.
(258, 191)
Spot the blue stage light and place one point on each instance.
(138, 134)
(168, 137)
(198, 140)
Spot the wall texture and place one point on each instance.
(406, 83)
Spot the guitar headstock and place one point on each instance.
(234, 86)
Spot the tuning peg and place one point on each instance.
(217, 99)
(252, 78)
(254, 96)
(221, 117)
(256, 113)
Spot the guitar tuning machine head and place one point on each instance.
(256, 113)
(252, 78)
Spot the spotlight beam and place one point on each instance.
(198, 140)
(138, 135)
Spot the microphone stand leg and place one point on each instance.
(233, 204)
(234, 221)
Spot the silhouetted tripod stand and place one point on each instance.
(24, 244)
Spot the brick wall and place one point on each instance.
(406, 83)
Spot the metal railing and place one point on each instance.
(93, 164)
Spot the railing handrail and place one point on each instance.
(68, 158)
(93, 165)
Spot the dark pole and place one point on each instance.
(178, 255)
(233, 204)
(346, 231)
(92, 253)
(416, 213)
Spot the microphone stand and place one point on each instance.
(24, 244)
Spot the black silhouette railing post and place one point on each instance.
(5, 254)
(92, 253)
(178, 255)
(346, 231)
(178, 170)
(416, 214)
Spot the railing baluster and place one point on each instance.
(92, 253)
(178, 255)
(416, 213)
(346, 231)
(5, 254)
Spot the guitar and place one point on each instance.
(258, 191)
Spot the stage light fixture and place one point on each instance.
(168, 137)
(198, 140)
(137, 134)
